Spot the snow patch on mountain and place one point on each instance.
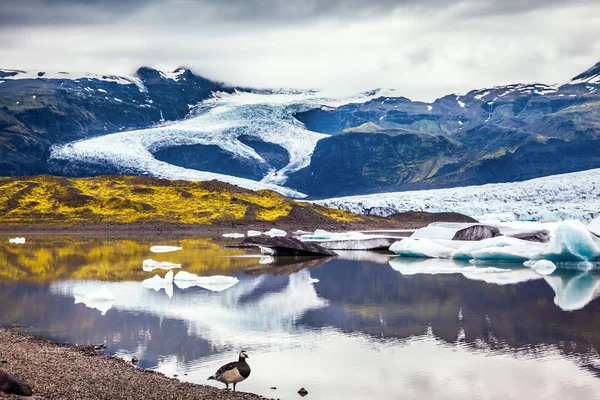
(566, 196)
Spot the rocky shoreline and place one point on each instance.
(64, 371)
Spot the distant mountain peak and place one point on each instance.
(591, 75)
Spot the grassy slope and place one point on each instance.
(49, 200)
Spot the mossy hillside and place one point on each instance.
(125, 200)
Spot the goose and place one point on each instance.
(234, 372)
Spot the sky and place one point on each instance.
(422, 48)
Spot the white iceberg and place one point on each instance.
(150, 265)
(348, 240)
(164, 249)
(233, 235)
(423, 248)
(275, 232)
(101, 300)
(254, 233)
(571, 242)
(17, 240)
(542, 267)
(157, 283)
(594, 227)
(440, 230)
(216, 283)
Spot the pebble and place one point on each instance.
(134, 360)
(302, 392)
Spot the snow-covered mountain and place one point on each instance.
(562, 197)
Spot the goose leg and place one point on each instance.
(234, 387)
(227, 388)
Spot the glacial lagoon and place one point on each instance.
(365, 325)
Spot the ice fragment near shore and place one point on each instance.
(233, 235)
(157, 283)
(254, 233)
(276, 233)
(164, 249)
(101, 300)
(17, 240)
(150, 265)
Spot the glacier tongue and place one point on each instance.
(219, 121)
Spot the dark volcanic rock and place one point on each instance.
(541, 236)
(477, 232)
(285, 246)
(12, 385)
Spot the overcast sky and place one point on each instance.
(423, 48)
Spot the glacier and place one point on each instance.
(219, 121)
(559, 197)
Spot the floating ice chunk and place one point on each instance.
(17, 240)
(157, 283)
(594, 227)
(267, 251)
(254, 233)
(572, 242)
(275, 232)
(164, 249)
(313, 280)
(500, 248)
(101, 300)
(542, 267)
(573, 291)
(423, 248)
(150, 265)
(216, 283)
(233, 235)
(368, 243)
(301, 232)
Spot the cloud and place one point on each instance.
(424, 48)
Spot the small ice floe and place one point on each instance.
(150, 265)
(275, 233)
(216, 283)
(233, 235)
(17, 240)
(266, 251)
(253, 233)
(164, 249)
(101, 300)
(301, 232)
(542, 267)
(421, 248)
(313, 280)
(157, 283)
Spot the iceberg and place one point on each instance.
(253, 233)
(216, 283)
(233, 235)
(150, 265)
(164, 249)
(594, 227)
(275, 233)
(348, 240)
(101, 300)
(572, 242)
(157, 283)
(17, 240)
(424, 248)
(542, 267)
(440, 230)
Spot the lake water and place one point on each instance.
(372, 326)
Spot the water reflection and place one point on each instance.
(410, 329)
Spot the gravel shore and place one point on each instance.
(62, 371)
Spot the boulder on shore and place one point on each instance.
(10, 384)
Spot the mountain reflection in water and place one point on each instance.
(372, 326)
